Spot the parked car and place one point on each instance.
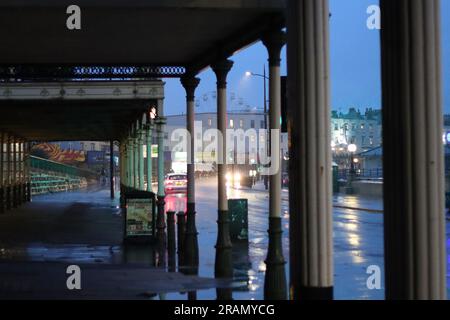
(175, 183)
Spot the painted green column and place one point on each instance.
(141, 141)
(136, 157)
(160, 122)
(149, 154)
(130, 163)
(161, 193)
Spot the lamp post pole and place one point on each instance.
(351, 149)
(265, 78)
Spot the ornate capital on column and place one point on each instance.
(274, 42)
(160, 121)
(221, 69)
(149, 128)
(190, 83)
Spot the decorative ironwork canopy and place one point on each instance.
(17, 73)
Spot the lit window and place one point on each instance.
(231, 123)
(241, 123)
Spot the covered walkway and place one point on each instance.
(85, 228)
(137, 40)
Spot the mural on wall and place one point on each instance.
(55, 153)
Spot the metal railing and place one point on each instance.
(361, 173)
(53, 166)
(49, 176)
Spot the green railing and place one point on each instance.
(50, 176)
(53, 166)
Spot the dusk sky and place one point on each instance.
(355, 64)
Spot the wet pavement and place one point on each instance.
(86, 228)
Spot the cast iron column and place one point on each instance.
(171, 241)
(190, 83)
(141, 142)
(149, 153)
(130, 163)
(223, 262)
(310, 184)
(413, 160)
(136, 148)
(122, 169)
(160, 122)
(275, 278)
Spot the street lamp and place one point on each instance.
(249, 74)
(351, 149)
(153, 113)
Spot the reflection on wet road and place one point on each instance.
(86, 228)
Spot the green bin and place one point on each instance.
(335, 179)
(238, 211)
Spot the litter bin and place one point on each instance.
(238, 211)
(335, 178)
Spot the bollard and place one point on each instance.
(171, 245)
(161, 240)
(160, 221)
(181, 226)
